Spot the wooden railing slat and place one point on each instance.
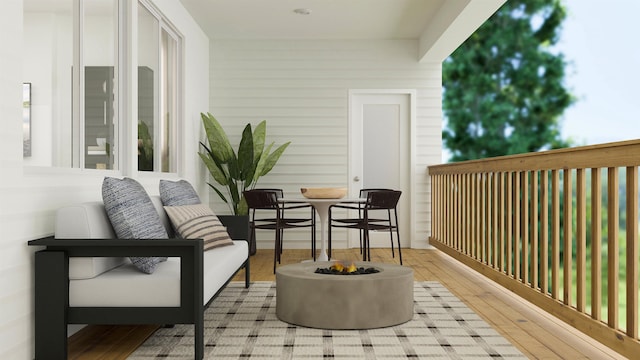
(487, 217)
(481, 218)
(632, 251)
(544, 231)
(612, 247)
(458, 205)
(466, 207)
(524, 223)
(502, 222)
(567, 257)
(494, 220)
(533, 226)
(596, 244)
(512, 247)
(581, 240)
(555, 234)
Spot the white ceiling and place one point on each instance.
(440, 26)
(329, 19)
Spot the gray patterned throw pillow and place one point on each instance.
(133, 216)
(178, 193)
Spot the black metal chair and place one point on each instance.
(266, 200)
(378, 200)
(346, 222)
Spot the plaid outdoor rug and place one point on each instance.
(241, 323)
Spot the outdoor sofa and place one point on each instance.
(85, 276)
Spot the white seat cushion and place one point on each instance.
(127, 286)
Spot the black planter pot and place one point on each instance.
(238, 229)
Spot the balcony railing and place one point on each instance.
(559, 228)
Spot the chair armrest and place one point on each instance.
(351, 206)
(122, 247)
(300, 206)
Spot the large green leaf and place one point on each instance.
(259, 136)
(219, 193)
(245, 155)
(273, 158)
(243, 208)
(217, 174)
(218, 141)
(236, 195)
(233, 168)
(261, 163)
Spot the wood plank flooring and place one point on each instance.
(534, 332)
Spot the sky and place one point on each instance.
(600, 41)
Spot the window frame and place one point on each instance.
(175, 148)
(125, 101)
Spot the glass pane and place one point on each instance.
(47, 65)
(99, 49)
(148, 70)
(169, 100)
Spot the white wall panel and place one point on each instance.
(29, 196)
(301, 89)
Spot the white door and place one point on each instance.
(380, 148)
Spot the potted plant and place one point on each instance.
(236, 172)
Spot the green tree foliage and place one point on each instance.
(503, 88)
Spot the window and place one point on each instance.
(158, 46)
(48, 33)
(99, 132)
(74, 60)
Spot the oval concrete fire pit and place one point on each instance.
(364, 301)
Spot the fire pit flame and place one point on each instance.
(351, 268)
(338, 268)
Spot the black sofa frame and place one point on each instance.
(52, 310)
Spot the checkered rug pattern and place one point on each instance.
(242, 324)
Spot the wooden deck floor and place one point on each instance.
(537, 334)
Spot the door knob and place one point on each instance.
(356, 179)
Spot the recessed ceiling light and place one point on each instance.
(302, 11)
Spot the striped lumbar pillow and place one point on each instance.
(198, 222)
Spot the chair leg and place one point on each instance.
(313, 244)
(393, 254)
(399, 250)
(365, 250)
(281, 244)
(398, 237)
(313, 233)
(368, 247)
(276, 251)
(329, 236)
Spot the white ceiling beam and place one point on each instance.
(454, 22)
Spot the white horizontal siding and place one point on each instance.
(29, 196)
(301, 88)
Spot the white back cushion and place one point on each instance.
(86, 221)
(90, 221)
